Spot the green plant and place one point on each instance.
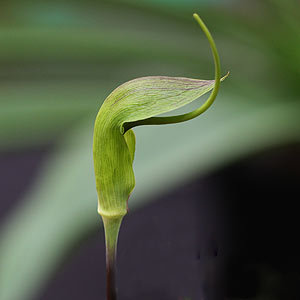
(134, 103)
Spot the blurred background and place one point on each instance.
(214, 212)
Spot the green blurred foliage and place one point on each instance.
(59, 60)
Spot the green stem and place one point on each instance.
(111, 228)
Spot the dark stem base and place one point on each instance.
(111, 227)
(111, 287)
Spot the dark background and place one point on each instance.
(236, 235)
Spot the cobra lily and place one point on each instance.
(134, 103)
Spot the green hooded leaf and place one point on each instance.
(136, 102)
(146, 97)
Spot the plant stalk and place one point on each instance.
(111, 229)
